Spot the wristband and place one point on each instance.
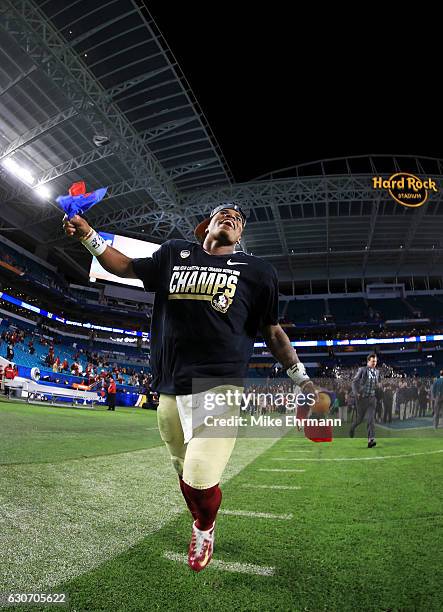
(95, 244)
(297, 373)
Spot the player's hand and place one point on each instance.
(309, 389)
(77, 227)
(318, 410)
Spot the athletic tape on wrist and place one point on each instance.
(95, 244)
(297, 373)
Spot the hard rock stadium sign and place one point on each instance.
(406, 189)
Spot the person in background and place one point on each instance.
(112, 392)
(379, 404)
(422, 401)
(364, 386)
(388, 399)
(437, 398)
(10, 373)
(10, 352)
(414, 398)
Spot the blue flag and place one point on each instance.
(81, 202)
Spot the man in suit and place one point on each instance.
(366, 385)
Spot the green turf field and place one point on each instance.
(89, 505)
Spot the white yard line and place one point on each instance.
(396, 429)
(249, 514)
(373, 458)
(241, 568)
(286, 487)
(280, 470)
(95, 509)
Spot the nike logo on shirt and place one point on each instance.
(236, 263)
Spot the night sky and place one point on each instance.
(279, 89)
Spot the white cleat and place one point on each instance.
(201, 548)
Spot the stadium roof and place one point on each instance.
(76, 70)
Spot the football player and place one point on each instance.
(211, 301)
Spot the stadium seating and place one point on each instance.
(33, 270)
(305, 311)
(361, 310)
(64, 349)
(427, 305)
(348, 309)
(390, 308)
(54, 284)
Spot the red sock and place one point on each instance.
(206, 503)
(187, 498)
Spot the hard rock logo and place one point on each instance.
(406, 189)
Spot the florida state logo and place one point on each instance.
(221, 302)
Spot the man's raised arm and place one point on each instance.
(112, 260)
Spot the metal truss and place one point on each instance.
(273, 196)
(142, 214)
(76, 162)
(377, 163)
(282, 237)
(372, 223)
(15, 218)
(264, 194)
(260, 195)
(17, 80)
(161, 223)
(187, 168)
(30, 135)
(89, 157)
(112, 92)
(15, 191)
(311, 254)
(289, 192)
(48, 49)
(159, 131)
(433, 261)
(160, 226)
(409, 238)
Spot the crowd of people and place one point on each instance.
(400, 397)
(349, 332)
(97, 367)
(11, 337)
(11, 261)
(99, 374)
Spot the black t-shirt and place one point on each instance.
(207, 311)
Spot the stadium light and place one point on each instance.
(14, 168)
(42, 191)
